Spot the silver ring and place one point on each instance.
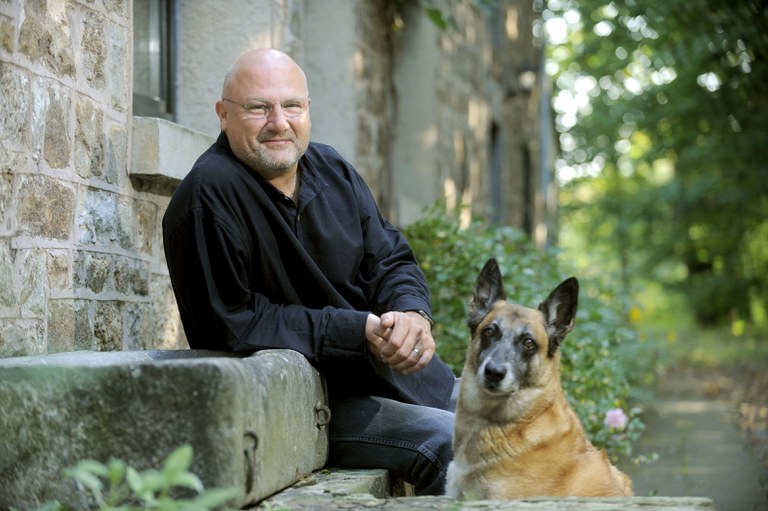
(416, 350)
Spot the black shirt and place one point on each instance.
(251, 269)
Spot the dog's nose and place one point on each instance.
(494, 373)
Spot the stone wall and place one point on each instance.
(81, 264)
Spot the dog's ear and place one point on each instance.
(488, 290)
(560, 312)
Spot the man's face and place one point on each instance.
(271, 144)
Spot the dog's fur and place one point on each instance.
(515, 434)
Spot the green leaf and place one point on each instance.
(178, 461)
(188, 480)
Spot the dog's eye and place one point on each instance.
(489, 332)
(529, 344)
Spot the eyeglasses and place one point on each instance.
(260, 109)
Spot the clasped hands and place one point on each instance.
(402, 340)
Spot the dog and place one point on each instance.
(515, 434)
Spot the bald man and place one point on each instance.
(273, 241)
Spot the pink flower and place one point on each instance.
(615, 419)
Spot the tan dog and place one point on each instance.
(515, 434)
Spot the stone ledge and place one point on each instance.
(333, 489)
(163, 153)
(255, 423)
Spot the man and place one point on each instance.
(276, 242)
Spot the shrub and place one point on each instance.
(599, 358)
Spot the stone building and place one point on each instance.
(105, 104)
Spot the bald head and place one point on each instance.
(263, 67)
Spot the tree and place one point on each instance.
(665, 155)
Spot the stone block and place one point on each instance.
(33, 282)
(93, 48)
(163, 153)
(14, 97)
(46, 207)
(138, 222)
(21, 337)
(108, 325)
(257, 423)
(89, 139)
(69, 325)
(8, 294)
(100, 220)
(45, 35)
(57, 146)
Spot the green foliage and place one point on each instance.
(665, 156)
(118, 487)
(436, 12)
(602, 358)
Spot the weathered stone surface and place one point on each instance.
(10, 164)
(7, 272)
(99, 223)
(362, 501)
(93, 271)
(45, 35)
(137, 318)
(14, 96)
(21, 337)
(138, 223)
(118, 66)
(89, 139)
(115, 154)
(166, 327)
(57, 145)
(69, 325)
(163, 153)
(93, 48)
(252, 421)
(6, 35)
(58, 269)
(46, 207)
(33, 282)
(331, 490)
(108, 325)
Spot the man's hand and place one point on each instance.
(402, 340)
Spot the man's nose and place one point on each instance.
(276, 116)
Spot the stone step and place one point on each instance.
(334, 489)
(256, 423)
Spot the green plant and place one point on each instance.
(601, 359)
(126, 489)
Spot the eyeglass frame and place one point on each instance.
(269, 106)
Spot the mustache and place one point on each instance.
(284, 135)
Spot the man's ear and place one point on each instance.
(560, 312)
(222, 112)
(488, 290)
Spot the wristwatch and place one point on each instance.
(426, 316)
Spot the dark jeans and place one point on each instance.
(413, 442)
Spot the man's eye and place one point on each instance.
(293, 108)
(257, 109)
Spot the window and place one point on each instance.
(153, 49)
